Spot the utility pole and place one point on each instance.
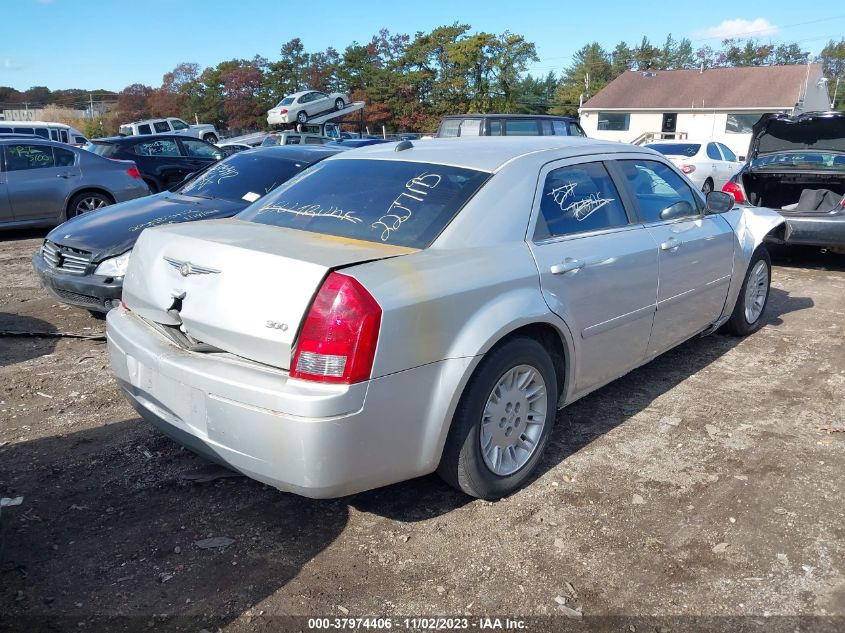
(91, 101)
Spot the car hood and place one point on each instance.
(780, 133)
(114, 229)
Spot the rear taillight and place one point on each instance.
(687, 169)
(735, 190)
(338, 341)
(133, 171)
(283, 111)
(123, 305)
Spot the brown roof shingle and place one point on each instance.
(746, 87)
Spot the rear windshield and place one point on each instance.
(820, 161)
(101, 149)
(394, 202)
(676, 149)
(242, 177)
(285, 101)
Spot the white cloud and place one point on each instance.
(9, 64)
(759, 27)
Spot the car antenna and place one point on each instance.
(401, 146)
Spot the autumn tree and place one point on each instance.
(132, 102)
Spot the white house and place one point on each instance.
(718, 104)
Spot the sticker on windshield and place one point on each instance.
(251, 196)
(401, 209)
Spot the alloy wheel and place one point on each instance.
(756, 291)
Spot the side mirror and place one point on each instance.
(741, 159)
(680, 209)
(182, 182)
(719, 202)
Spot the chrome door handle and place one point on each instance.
(62, 175)
(567, 266)
(670, 245)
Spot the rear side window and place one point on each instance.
(64, 157)
(42, 132)
(24, 156)
(391, 202)
(713, 152)
(579, 198)
(161, 126)
(144, 129)
(54, 134)
(157, 148)
(102, 149)
(24, 130)
(658, 190)
(63, 135)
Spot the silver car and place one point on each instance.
(44, 183)
(406, 308)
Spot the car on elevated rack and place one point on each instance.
(44, 183)
(83, 261)
(408, 308)
(796, 165)
(300, 106)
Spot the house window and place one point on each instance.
(741, 123)
(614, 121)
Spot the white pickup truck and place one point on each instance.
(170, 125)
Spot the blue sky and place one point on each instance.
(109, 44)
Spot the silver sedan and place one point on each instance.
(409, 308)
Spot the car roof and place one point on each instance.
(489, 153)
(33, 123)
(17, 138)
(473, 115)
(161, 118)
(136, 137)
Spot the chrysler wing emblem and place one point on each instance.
(187, 268)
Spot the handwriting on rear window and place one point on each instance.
(180, 216)
(403, 206)
(312, 211)
(580, 209)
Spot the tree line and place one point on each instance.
(409, 82)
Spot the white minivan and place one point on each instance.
(51, 131)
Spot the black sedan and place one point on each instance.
(82, 262)
(164, 160)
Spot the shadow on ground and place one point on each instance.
(16, 341)
(109, 525)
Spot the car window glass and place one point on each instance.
(161, 126)
(178, 125)
(157, 148)
(495, 127)
(313, 140)
(579, 198)
(42, 132)
(200, 149)
(80, 139)
(64, 157)
(576, 130)
(63, 135)
(54, 135)
(559, 127)
(471, 127)
(24, 156)
(546, 127)
(713, 152)
(24, 130)
(5, 130)
(144, 129)
(729, 155)
(292, 140)
(521, 127)
(449, 128)
(657, 188)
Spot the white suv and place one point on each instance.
(171, 125)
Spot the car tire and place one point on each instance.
(87, 201)
(747, 315)
(339, 104)
(210, 138)
(302, 116)
(707, 187)
(469, 456)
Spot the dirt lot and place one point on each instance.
(708, 483)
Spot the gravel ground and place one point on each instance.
(707, 483)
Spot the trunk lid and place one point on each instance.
(818, 132)
(239, 286)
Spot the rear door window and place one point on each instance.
(157, 148)
(42, 132)
(25, 156)
(521, 127)
(579, 198)
(161, 127)
(64, 157)
(391, 202)
(54, 134)
(63, 136)
(144, 129)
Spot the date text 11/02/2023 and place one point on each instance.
(418, 624)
